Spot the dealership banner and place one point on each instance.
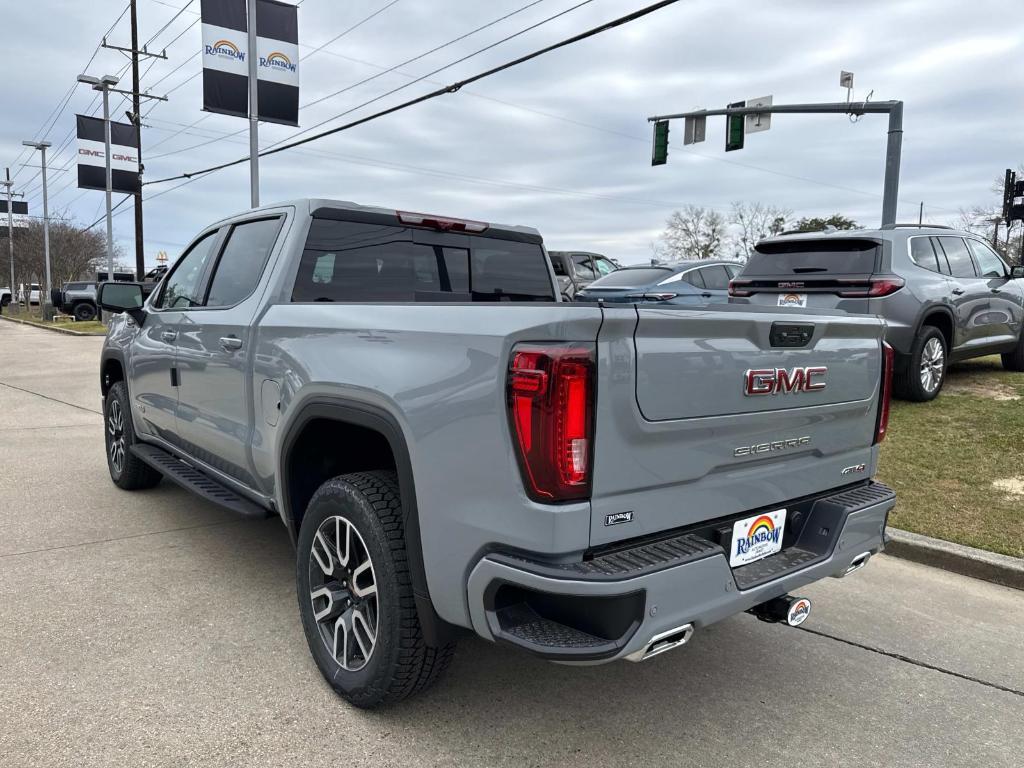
(92, 155)
(226, 59)
(19, 215)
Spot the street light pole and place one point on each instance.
(254, 112)
(10, 225)
(103, 85)
(45, 302)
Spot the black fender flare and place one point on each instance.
(436, 631)
(108, 354)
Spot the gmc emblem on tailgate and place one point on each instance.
(774, 381)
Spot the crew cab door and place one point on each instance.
(153, 376)
(215, 392)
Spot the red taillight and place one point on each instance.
(872, 288)
(551, 408)
(882, 425)
(735, 288)
(440, 222)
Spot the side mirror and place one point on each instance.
(1016, 272)
(122, 297)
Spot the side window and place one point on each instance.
(733, 270)
(959, 258)
(584, 270)
(989, 263)
(559, 266)
(181, 288)
(604, 266)
(922, 253)
(694, 277)
(242, 261)
(715, 278)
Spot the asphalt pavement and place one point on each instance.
(152, 628)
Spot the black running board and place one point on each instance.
(197, 481)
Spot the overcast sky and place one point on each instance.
(560, 143)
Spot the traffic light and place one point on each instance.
(1017, 202)
(734, 128)
(660, 154)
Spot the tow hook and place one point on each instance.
(789, 609)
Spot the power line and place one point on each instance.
(170, 21)
(444, 90)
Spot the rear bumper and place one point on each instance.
(611, 606)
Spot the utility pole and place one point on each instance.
(45, 302)
(254, 111)
(894, 144)
(8, 184)
(136, 119)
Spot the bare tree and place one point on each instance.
(754, 221)
(691, 234)
(75, 252)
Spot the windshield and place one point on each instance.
(813, 257)
(629, 278)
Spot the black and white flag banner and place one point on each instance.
(92, 162)
(19, 215)
(226, 59)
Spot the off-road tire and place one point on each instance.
(1014, 361)
(401, 663)
(907, 383)
(133, 474)
(84, 312)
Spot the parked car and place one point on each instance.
(29, 294)
(5, 296)
(691, 284)
(576, 269)
(78, 299)
(583, 482)
(945, 295)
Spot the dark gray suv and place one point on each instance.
(945, 295)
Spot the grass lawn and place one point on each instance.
(957, 463)
(90, 326)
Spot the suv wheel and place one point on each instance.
(127, 471)
(921, 376)
(355, 593)
(1014, 361)
(84, 312)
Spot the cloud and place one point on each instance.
(561, 143)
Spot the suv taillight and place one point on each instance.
(885, 400)
(738, 288)
(871, 288)
(551, 410)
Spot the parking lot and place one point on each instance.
(153, 628)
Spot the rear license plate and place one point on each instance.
(792, 299)
(756, 537)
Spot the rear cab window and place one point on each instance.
(382, 260)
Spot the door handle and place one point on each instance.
(230, 343)
(958, 291)
(996, 290)
(169, 336)
(707, 295)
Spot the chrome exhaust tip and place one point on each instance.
(663, 641)
(857, 563)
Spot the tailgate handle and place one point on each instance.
(790, 334)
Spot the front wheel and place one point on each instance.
(922, 374)
(355, 593)
(127, 470)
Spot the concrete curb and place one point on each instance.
(968, 561)
(65, 331)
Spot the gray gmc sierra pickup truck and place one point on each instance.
(451, 447)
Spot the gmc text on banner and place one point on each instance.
(124, 156)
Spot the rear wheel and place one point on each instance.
(84, 312)
(923, 372)
(355, 593)
(126, 470)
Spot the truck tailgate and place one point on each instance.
(680, 441)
